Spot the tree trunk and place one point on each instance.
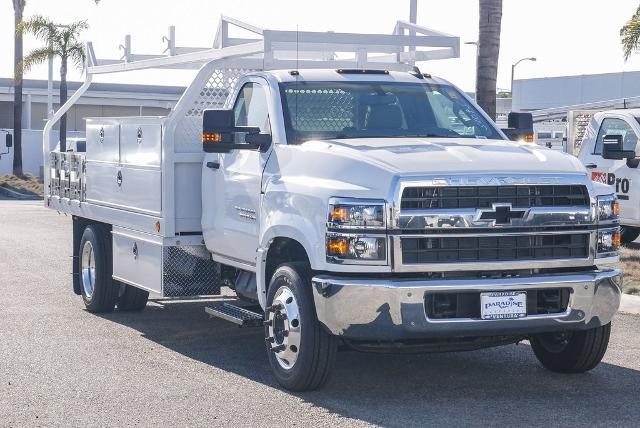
(17, 94)
(63, 99)
(488, 53)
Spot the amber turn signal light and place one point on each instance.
(339, 215)
(212, 138)
(337, 247)
(617, 239)
(616, 208)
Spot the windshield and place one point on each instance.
(331, 110)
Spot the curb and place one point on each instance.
(17, 195)
(630, 304)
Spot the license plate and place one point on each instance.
(501, 305)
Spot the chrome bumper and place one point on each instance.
(394, 309)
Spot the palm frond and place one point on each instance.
(41, 27)
(35, 57)
(630, 35)
(77, 54)
(75, 28)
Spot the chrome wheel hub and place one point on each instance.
(283, 327)
(88, 269)
(555, 342)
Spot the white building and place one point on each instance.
(550, 92)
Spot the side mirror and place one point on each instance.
(520, 127)
(612, 148)
(8, 140)
(219, 135)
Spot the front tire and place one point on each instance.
(300, 352)
(572, 352)
(629, 234)
(95, 266)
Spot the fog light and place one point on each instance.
(608, 242)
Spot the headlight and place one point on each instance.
(608, 208)
(356, 214)
(608, 242)
(345, 247)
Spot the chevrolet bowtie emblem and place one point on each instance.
(501, 214)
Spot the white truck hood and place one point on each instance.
(408, 156)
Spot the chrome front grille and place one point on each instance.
(486, 223)
(525, 196)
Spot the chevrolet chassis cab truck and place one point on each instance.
(609, 150)
(375, 208)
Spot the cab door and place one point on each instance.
(233, 183)
(624, 180)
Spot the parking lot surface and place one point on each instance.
(173, 365)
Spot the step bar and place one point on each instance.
(235, 314)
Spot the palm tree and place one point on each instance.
(61, 41)
(488, 53)
(630, 35)
(18, 9)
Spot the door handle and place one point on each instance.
(591, 165)
(213, 165)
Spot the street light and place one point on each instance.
(475, 79)
(513, 68)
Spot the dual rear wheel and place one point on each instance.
(100, 292)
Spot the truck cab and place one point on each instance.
(392, 208)
(619, 173)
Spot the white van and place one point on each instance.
(621, 173)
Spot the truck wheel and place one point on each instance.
(300, 352)
(132, 298)
(629, 234)
(98, 290)
(572, 352)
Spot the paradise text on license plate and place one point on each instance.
(501, 305)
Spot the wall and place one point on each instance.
(533, 94)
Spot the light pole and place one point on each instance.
(475, 79)
(513, 69)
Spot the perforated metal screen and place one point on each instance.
(330, 110)
(213, 94)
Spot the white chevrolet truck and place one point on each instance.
(609, 151)
(381, 210)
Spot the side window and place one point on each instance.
(251, 108)
(612, 126)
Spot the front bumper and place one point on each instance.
(394, 309)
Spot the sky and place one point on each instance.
(568, 37)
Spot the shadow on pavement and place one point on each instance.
(500, 386)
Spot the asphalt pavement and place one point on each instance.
(172, 365)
